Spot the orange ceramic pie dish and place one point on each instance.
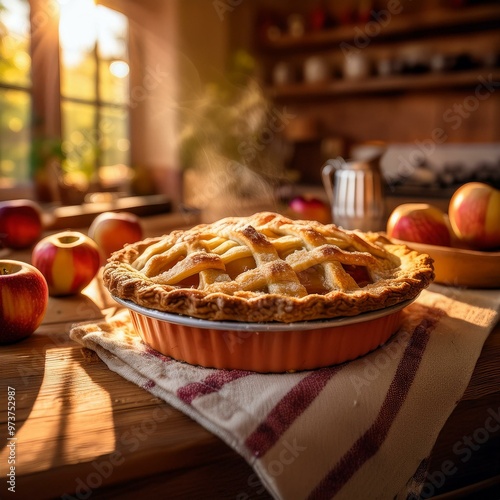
(264, 347)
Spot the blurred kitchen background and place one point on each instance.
(183, 103)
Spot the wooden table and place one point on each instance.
(82, 431)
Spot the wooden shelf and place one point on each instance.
(406, 46)
(62, 217)
(389, 84)
(399, 25)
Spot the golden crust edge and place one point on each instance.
(268, 307)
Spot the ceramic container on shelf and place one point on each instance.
(316, 70)
(283, 73)
(357, 66)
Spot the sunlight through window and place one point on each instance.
(77, 29)
(94, 86)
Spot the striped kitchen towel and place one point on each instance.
(361, 429)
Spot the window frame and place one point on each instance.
(46, 97)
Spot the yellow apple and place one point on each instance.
(69, 260)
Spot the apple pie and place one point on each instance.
(267, 268)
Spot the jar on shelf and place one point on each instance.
(316, 70)
(283, 73)
(357, 66)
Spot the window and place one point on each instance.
(15, 93)
(92, 88)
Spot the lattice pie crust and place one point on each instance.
(267, 267)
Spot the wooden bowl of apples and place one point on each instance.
(464, 243)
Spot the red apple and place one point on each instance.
(420, 223)
(20, 223)
(112, 230)
(474, 213)
(69, 260)
(310, 208)
(23, 300)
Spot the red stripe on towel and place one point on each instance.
(369, 443)
(213, 383)
(289, 408)
(149, 351)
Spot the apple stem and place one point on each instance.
(5, 271)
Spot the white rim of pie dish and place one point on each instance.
(260, 327)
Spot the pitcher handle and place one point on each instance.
(328, 175)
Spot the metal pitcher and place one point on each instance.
(356, 193)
